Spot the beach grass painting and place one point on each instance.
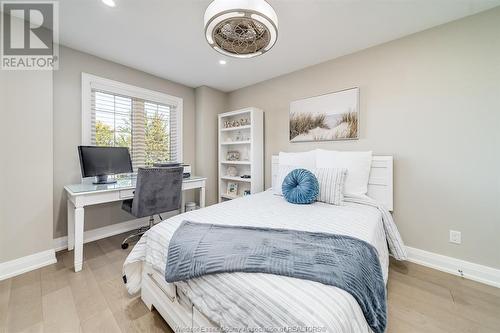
(329, 117)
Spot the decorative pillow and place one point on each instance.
(283, 171)
(300, 187)
(288, 162)
(331, 185)
(358, 166)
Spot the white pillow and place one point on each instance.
(305, 160)
(358, 166)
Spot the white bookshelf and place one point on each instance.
(248, 140)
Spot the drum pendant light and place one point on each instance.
(241, 28)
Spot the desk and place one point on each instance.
(87, 194)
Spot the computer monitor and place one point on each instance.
(100, 162)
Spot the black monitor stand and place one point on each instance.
(103, 179)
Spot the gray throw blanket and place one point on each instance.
(198, 249)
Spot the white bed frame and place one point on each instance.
(380, 183)
(178, 311)
(171, 303)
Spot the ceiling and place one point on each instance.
(165, 37)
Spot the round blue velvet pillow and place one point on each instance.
(300, 186)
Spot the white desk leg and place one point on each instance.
(202, 197)
(71, 225)
(78, 253)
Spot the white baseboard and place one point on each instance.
(22, 265)
(61, 243)
(468, 270)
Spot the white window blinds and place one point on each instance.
(148, 129)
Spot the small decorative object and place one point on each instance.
(232, 171)
(233, 155)
(238, 136)
(190, 206)
(300, 186)
(232, 188)
(327, 117)
(231, 123)
(236, 123)
(246, 192)
(245, 176)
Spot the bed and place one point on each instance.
(234, 300)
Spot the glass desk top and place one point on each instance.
(123, 182)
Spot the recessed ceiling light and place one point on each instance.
(110, 3)
(222, 62)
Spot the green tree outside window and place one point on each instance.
(104, 135)
(157, 140)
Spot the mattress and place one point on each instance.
(255, 300)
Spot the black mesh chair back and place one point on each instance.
(158, 190)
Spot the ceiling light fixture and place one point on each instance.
(241, 28)
(109, 3)
(222, 62)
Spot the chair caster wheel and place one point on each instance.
(124, 246)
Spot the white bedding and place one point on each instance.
(236, 300)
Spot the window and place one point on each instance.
(119, 115)
(113, 120)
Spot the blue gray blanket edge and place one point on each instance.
(348, 263)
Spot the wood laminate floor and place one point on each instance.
(55, 299)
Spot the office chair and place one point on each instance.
(158, 190)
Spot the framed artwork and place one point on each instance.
(232, 188)
(328, 117)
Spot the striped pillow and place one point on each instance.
(331, 185)
(283, 171)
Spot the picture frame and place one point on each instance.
(232, 188)
(329, 117)
(233, 155)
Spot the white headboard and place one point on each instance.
(380, 186)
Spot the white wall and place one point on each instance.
(433, 101)
(26, 163)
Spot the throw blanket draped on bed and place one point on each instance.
(198, 249)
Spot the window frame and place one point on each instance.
(90, 82)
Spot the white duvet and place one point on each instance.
(263, 301)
